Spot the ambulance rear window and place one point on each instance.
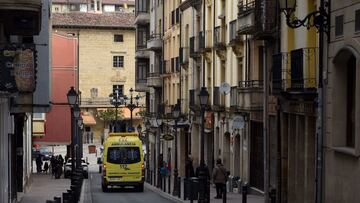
(123, 155)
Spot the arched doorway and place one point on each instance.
(344, 95)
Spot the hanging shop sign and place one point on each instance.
(7, 79)
(17, 68)
(24, 69)
(168, 137)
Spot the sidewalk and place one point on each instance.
(44, 187)
(231, 196)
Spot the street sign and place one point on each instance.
(225, 88)
(238, 123)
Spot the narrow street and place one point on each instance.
(117, 195)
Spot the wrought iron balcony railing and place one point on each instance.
(295, 71)
(233, 32)
(194, 47)
(219, 37)
(251, 84)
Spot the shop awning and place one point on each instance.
(88, 119)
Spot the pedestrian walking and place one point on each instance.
(189, 168)
(219, 178)
(38, 164)
(87, 137)
(92, 137)
(46, 167)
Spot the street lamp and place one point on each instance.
(176, 114)
(80, 137)
(148, 126)
(131, 105)
(320, 19)
(72, 97)
(159, 122)
(203, 97)
(76, 111)
(116, 99)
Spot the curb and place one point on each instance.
(162, 193)
(85, 189)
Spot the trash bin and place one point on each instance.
(92, 149)
(194, 188)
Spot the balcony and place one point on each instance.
(218, 100)
(194, 99)
(142, 14)
(167, 67)
(250, 95)
(96, 102)
(25, 14)
(205, 41)
(219, 38)
(155, 42)
(154, 80)
(194, 47)
(233, 37)
(196, 4)
(257, 18)
(295, 71)
(184, 55)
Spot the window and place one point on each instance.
(350, 107)
(118, 61)
(94, 92)
(56, 9)
(118, 38)
(38, 116)
(118, 89)
(142, 71)
(357, 20)
(142, 37)
(141, 6)
(123, 155)
(339, 25)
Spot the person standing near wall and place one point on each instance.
(219, 178)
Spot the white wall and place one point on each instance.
(6, 127)
(27, 135)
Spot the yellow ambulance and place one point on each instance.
(123, 161)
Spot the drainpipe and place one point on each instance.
(266, 123)
(320, 115)
(179, 57)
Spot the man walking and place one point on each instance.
(219, 178)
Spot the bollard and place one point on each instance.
(272, 195)
(224, 193)
(169, 183)
(244, 193)
(66, 197)
(57, 199)
(239, 183)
